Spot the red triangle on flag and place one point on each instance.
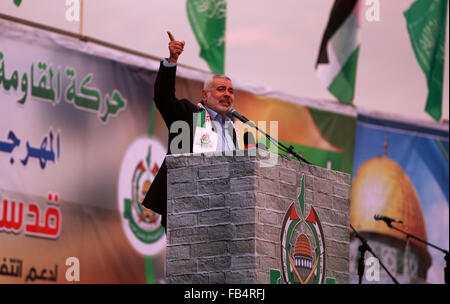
(293, 215)
(141, 166)
(311, 218)
(155, 168)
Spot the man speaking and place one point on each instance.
(210, 129)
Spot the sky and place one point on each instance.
(270, 44)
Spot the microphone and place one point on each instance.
(249, 140)
(232, 112)
(386, 219)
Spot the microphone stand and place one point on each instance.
(362, 250)
(409, 235)
(361, 262)
(289, 150)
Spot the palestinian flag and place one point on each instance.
(338, 55)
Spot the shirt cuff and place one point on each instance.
(168, 64)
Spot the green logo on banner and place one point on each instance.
(143, 223)
(144, 236)
(17, 2)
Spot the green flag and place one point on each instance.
(207, 19)
(426, 20)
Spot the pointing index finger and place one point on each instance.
(170, 36)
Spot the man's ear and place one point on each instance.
(204, 95)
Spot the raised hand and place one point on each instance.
(175, 48)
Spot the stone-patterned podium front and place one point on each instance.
(233, 220)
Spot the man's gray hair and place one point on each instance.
(207, 85)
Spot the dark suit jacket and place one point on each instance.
(171, 109)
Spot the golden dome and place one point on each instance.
(302, 247)
(381, 187)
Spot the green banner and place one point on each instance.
(426, 21)
(207, 19)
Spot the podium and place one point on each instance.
(255, 218)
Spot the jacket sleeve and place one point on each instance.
(171, 108)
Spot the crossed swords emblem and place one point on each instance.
(291, 261)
